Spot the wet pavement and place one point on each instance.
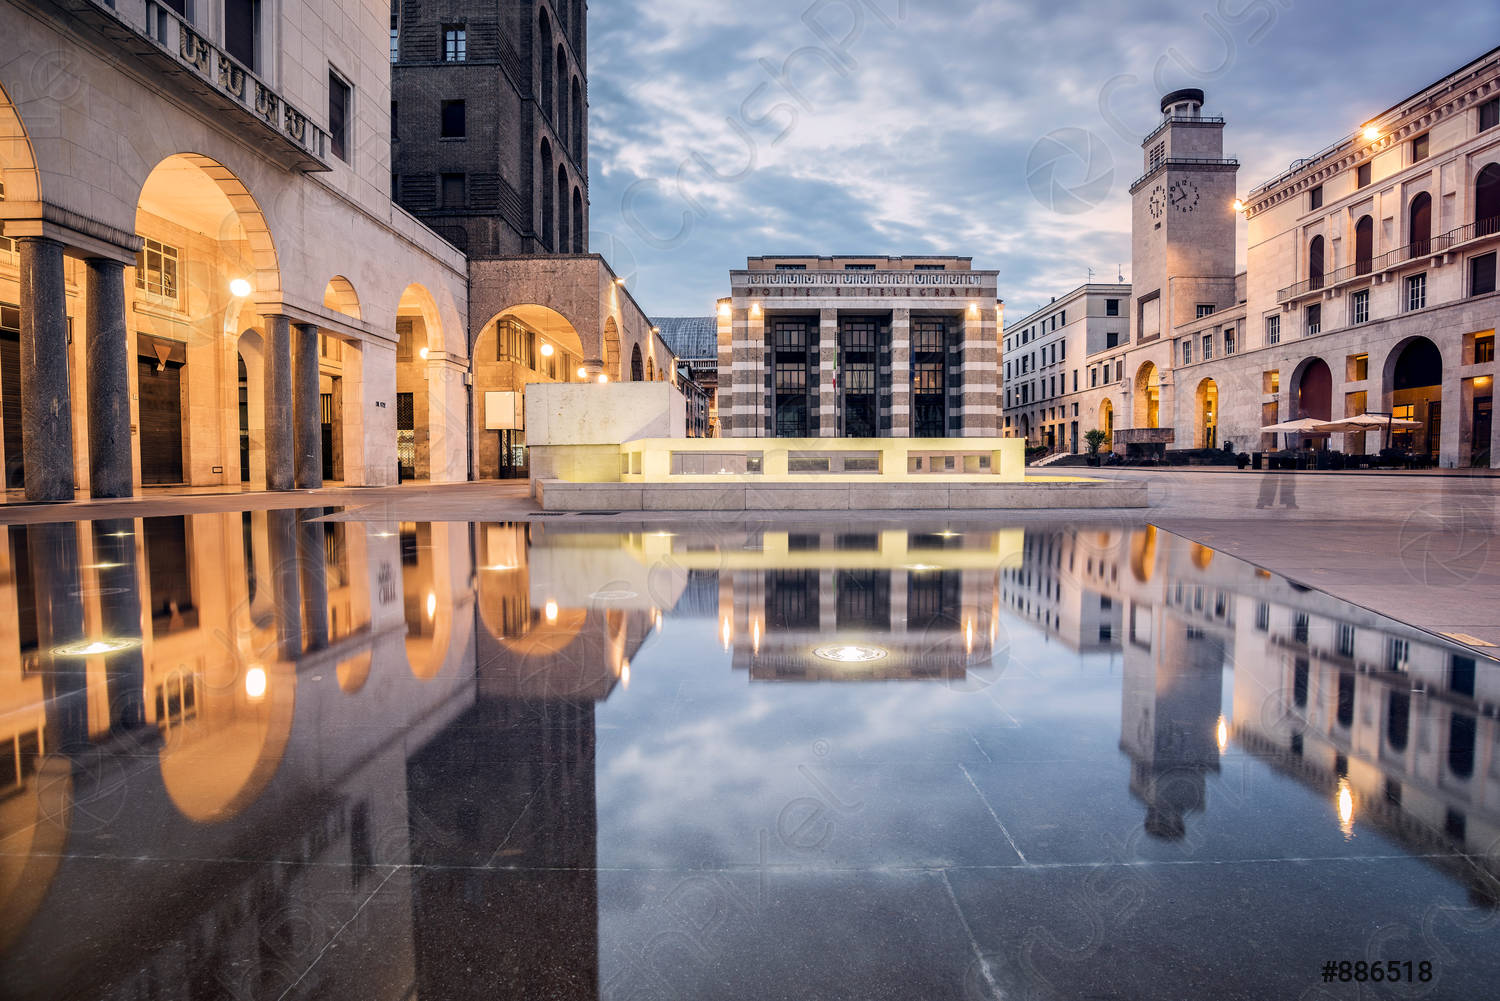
(306, 754)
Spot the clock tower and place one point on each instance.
(1183, 220)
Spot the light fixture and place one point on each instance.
(619, 281)
(1222, 735)
(582, 372)
(656, 330)
(1345, 802)
(724, 310)
(101, 566)
(255, 682)
(1371, 133)
(546, 350)
(94, 648)
(240, 287)
(550, 611)
(624, 674)
(423, 354)
(919, 567)
(850, 653)
(726, 633)
(755, 636)
(498, 567)
(603, 378)
(947, 533)
(431, 604)
(1239, 205)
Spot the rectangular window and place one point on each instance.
(1112, 339)
(1482, 274)
(455, 44)
(859, 267)
(1273, 330)
(455, 125)
(1158, 154)
(929, 267)
(395, 35)
(791, 267)
(1314, 320)
(1119, 369)
(453, 191)
(1416, 291)
(1315, 198)
(1419, 148)
(1229, 340)
(1489, 114)
(1208, 346)
(1111, 307)
(1362, 175)
(1484, 348)
(156, 269)
(339, 99)
(1205, 309)
(395, 132)
(1187, 352)
(1358, 368)
(1346, 640)
(1062, 350)
(1359, 306)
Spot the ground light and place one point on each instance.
(850, 653)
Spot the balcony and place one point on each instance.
(199, 72)
(1199, 162)
(1475, 231)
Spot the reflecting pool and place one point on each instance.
(292, 754)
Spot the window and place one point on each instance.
(859, 267)
(455, 44)
(1273, 330)
(1419, 148)
(1111, 307)
(1119, 369)
(1416, 291)
(1158, 154)
(1482, 274)
(1315, 198)
(395, 186)
(1208, 346)
(453, 191)
(395, 132)
(791, 267)
(339, 96)
(1362, 175)
(1229, 340)
(1346, 640)
(929, 267)
(1187, 352)
(156, 269)
(1063, 318)
(1359, 306)
(1272, 382)
(1489, 114)
(1314, 320)
(1112, 339)
(395, 34)
(454, 124)
(1484, 348)
(1359, 367)
(1205, 309)
(1062, 350)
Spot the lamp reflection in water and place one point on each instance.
(1222, 734)
(850, 653)
(1345, 801)
(550, 612)
(255, 683)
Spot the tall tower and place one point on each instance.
(1183, 221)
(489, 122)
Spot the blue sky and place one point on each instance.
(1005, 131)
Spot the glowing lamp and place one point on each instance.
(423, 354)
(547, 350)
(1371, 133)
(582, 372)
(239, 288)
(1239, 205)
(255, 682)
(724, 310)
(550, 611)
(431, 604)
(603, 378)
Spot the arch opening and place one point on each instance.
(1414, 381)
(1148, 396)
(1206, 427)
(521, 345)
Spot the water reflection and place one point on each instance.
(256, 728)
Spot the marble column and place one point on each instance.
(307, 415)
(119, 586)
(46, 406)
(280, 453)
(313, 556)
(285, 580)
(107, 363)
(52, 550)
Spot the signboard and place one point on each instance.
(502, 411)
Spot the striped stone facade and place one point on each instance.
(853, 320)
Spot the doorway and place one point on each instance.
(159, 369)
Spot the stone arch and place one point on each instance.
(549, 211)
(1206, 415)
(1312, 388)
(1364, 245)
(418, 408)
(1419, 224)
(544, 47)
(578, 247)
(1143, 553)
(1147, 396)
(540, 344)
(339, 295)
(1413, 388)
(650, 368)
(18, 170)
(1487, 200)
(174, 189)
(560, 83)
(637, 373)
(1107, 423)
(577, 124)
(1316, 264)
(562, 209)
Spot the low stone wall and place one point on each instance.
(557, 495)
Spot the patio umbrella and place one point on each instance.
(1370, 422)
(1303, 425)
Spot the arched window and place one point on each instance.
(636, 371)
(547, 208)
(578, 246)
(1364, 245)
(577, 102)
(562, 209)
(1420, 218)
(1487, 201)
(650, 369)
(1315, 263)
(544, 47)
(562, 97)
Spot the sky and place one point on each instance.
(1008, 132)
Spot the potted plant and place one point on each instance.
(1094, 439)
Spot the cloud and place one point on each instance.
(720, 131)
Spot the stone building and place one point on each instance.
(1042, 360)
(1369, 285)
(489, 122)
(872, 347)
(202, 277)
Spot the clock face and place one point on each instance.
(1158, 203)
(1183, 196)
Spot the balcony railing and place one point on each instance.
(1188, 161)
(205, 74)
(1394, 258)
